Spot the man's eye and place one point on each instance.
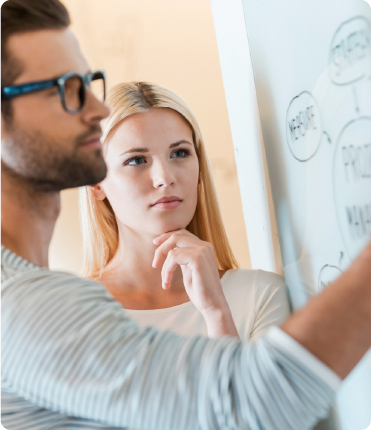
(135, 161)
(180, 153)
(53, 92)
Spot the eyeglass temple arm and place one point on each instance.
(17, 90)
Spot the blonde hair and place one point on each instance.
(98, 221)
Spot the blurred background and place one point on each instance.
(172, 43)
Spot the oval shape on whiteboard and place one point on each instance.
(327, 275)
(350, 51)
(303, 126)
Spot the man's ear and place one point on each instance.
(97, 192)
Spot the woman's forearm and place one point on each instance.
(220, 322)
(336, 325)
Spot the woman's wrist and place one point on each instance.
(219, 321)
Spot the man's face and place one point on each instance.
(43, 145)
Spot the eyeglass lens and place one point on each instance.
(74, 93)
(97, 86)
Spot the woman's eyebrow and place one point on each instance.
(136, 150)
(173, 145)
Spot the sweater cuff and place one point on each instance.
(282, 341)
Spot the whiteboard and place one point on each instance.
(310, 63)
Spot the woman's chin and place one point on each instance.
(170, 228)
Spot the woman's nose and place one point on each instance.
(162, 175)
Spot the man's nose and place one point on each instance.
(94, 110)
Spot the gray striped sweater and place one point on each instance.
(73, 359)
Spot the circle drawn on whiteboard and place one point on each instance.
(352, 184)
(350, 51)
(327, 274)
(303, 126)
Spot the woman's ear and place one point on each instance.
(97, 192)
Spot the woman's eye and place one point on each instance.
(180, 153)
(136, 161)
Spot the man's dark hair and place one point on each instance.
(20, 16)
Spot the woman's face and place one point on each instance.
(152, 172)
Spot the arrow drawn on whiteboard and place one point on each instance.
(341, 257)
(327, 136)
(355, 99)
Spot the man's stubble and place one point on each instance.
(47, 165)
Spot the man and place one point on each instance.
(71, 358)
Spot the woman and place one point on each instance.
(154, 221)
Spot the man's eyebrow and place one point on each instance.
(173, 145)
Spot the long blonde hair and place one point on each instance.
(98, 221)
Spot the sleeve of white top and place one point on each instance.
(69, 347)
(270, 302)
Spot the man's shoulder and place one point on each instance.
(22, 279)
(12, 265)
(28, 295)
(42, 278)
(15, 270)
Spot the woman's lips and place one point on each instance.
(171, 204)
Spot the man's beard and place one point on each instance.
(47, 166)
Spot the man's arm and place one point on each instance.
(336, 325)
(69, 347)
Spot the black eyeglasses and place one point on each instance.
(71, 88)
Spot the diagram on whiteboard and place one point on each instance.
(311, 66)
(349, 66)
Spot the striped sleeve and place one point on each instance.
(69, 347)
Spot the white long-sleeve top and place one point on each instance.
(73, 359)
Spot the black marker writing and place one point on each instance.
(359, 221)
(357, 162)
(351, 49)
(301, 123)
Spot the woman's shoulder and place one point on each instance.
(250, 284)
(251, 277)
(257, 298)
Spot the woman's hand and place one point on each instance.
(197, 261)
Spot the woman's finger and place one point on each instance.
(176, 257)
(174, 241)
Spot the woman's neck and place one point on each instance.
(133, 281)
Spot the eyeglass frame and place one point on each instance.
(12, 91)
